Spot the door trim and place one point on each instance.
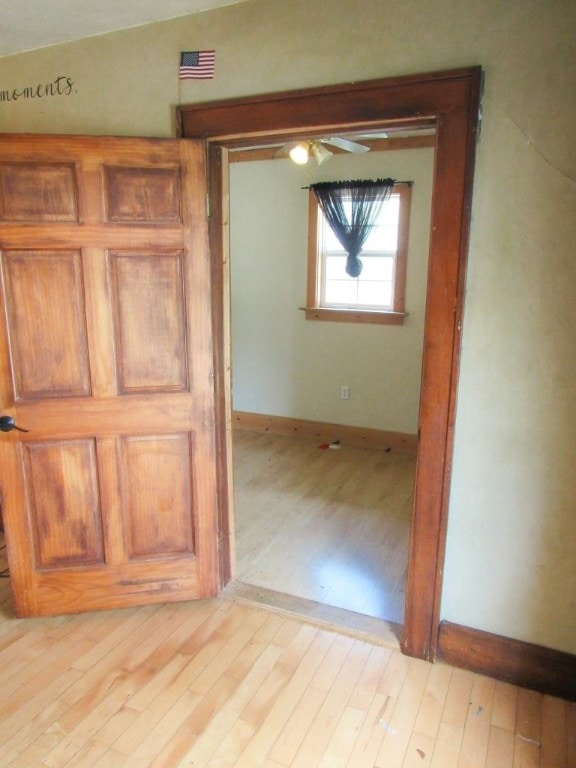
(448, 100)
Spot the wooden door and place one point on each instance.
(110, 499)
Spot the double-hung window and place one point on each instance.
(377, 294)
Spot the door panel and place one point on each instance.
(158, 521)
(38, 192)
(50, 359)
(148, 293)
(142, 194)
(52, 470)
(106, 357)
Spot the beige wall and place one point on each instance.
(510, 565)
(286, 365)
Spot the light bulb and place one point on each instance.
(299, 153)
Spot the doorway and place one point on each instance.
(331, 526)
(449, 100)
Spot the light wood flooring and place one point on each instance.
(328, 525)
(220, 684)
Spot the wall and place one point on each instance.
(286, 365)
(510, 560)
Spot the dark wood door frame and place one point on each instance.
(450, 101)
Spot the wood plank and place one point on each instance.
(305, 711)
(419, 751)
(554, 731)
(395, 745)
(447, 746)
(433, 700)
(324, 726)
(373, 731)
(528, 730)
(477, 726)
(344, 739)
(289, 711)
(459, 691)
(500, 752)
(505, 704)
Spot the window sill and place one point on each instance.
(355, 316)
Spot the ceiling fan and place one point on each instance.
(300, 151)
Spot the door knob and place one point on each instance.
(7, 424)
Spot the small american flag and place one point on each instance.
(197, 65)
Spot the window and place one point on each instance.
(377, 295)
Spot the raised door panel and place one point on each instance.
(157, 496)
(150, 321)
(64, 505)
(135, 195)
(47, 329)
(39, 192)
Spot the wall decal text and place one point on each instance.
(60, 86)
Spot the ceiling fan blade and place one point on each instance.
(346, 144)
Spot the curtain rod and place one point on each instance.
(409, 183)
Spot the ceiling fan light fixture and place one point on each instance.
(321, 154)
(299, 153)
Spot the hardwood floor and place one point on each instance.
(331, 525)
(219, 684)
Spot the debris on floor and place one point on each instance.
(333, 444)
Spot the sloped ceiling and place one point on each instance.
(29, 24)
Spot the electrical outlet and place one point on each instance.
(344, 392)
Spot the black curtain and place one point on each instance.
(367, 198)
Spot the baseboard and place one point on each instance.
(530, 666)
(326, 433)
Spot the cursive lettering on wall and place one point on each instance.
(60, 86)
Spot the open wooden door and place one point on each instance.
(110, 499)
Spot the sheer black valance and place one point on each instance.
(367, 197)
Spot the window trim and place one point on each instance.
(338, 314)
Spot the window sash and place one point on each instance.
(361, 293)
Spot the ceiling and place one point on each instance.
(29, 24)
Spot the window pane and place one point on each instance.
(341, 292)
(390, 211)
(375, 293)
(384, 236)
(382, 239)
(335, 267)
(376, 267)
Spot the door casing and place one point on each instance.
(449, 100)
